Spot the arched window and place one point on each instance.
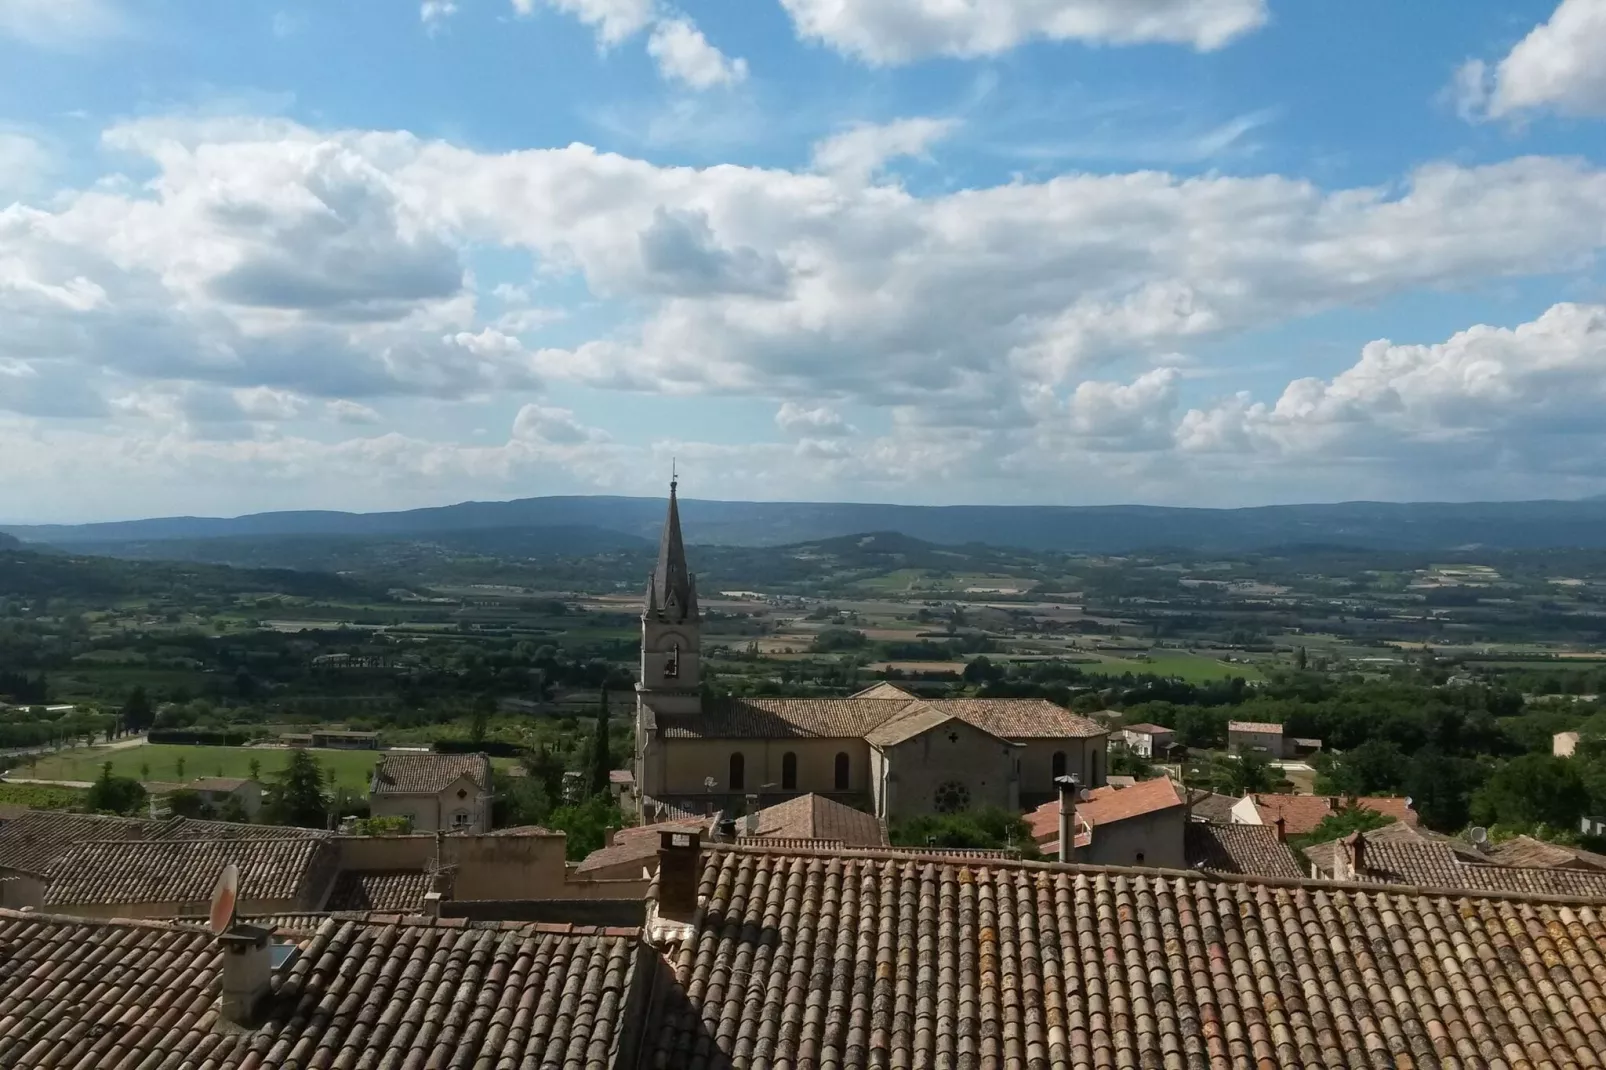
(1059, 764)
(842, 771)
(788, 771)
(738, 779)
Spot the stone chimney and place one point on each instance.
(1349, 862)
(608, 835)
(247, 973)
(679, 871)
(1067, 786)
(750, 823)
(1282, 828)
(432, 904)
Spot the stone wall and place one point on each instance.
(953, 753)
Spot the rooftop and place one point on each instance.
(218, 783)
(1106, 805)
(1438, 865)
(106, 872)
(1302, 813)
(1255, 726)
(870, 959)
(88, 995)
(1149, 729)
(859, 716)
(815, 817)
(387, 889)
(1250, 850)
(428, 774)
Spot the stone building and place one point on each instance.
(882, 749)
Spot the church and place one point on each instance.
(884, 749)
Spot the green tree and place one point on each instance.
(1342, 823)
(1531, 790)
(1248, 773)
(1300, 660)
(188, 803)
(115, 794)
(178, 768)
(296, 797)
(255, 766)
(144, 770)
(1440, 788)
(601, 759)
(987, 828)
(1376, 767)
(484, 706)
(136, 712)
(586, 824)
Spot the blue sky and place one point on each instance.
(395, 253)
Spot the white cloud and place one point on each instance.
(816, 423)
(862, 150)
(351, 412)
(1125, 416)
(901, 31)
(266, 403)
(25, 164)
(613, 20)
(434, 13)
(683, 54)
(1561, 64)
(59, 23)
(542, 423)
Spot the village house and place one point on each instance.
(1137, 826)
(434, 792)
(1148, 740)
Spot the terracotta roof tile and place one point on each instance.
(1436, 865)
(1528, 851)
(35, 840)
(638, 845)
(1245, 849)
(1208, 806)
(815, 817)
(871, 960)
(1302, 813)
(1106, 805)
(109, 872)
(386, 889)
(427, 774)
(1255, 726)
(857, 717)
(82, 995)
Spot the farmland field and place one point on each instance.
(160, 762)
(1190, 667)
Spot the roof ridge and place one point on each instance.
(164, 924)
(909, 855)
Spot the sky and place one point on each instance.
(378, 254)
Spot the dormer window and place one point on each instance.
(672, 662)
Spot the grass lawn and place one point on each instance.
(1190, 667)
(41, 796)
(350, 768)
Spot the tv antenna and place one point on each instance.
(225, 897)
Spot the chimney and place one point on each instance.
(608, 835)
(247, 973)
(752, 816)
(432, 904)
(1282, 828)
(679, 870)
(1067, 786)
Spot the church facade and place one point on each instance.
(882, 749)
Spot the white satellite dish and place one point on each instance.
(224, 898)
(1478, 835)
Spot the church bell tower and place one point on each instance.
(670, 626)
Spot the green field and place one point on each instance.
(1190, 667)
(160, 761)
(41, 796)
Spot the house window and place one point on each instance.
(460, 819)
(842, 771)
(788, 771)
(672, 662)
(1059, 764)
(738, 778)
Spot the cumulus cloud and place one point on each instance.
(541, 423)
(434, 13)
(816, 423)
(1558, 65)
(901, 31)
(683, 54)
(613, 20)
(861, 151)
(351, 412)
(25, 163)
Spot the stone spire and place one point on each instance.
(672, 593)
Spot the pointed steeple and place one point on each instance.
(672, 594)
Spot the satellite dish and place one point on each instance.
(224, 898)
(1478, 835)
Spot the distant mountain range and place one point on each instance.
(560, 525)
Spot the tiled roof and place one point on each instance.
(884, 690)
(1106, 805)
(1252, 850)
(194, 828)
(1208, 806)
(857, 718)
(870, 960)
(1528, 851)
(621, 776)
(1302, 813)
(638, 844)
(815, 817)
(35, 840)
(1435, 865)
(183, 871)
(1148, 729)
(915, 721)
(1323, 856)
(387, 889)
(1255, 726)
(428, 774)
(83, 995)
